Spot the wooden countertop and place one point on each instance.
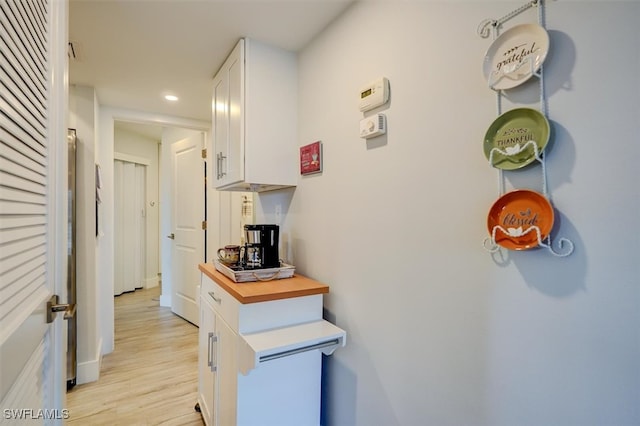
(263, 291)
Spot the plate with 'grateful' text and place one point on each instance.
(515, 56)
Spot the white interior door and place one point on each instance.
(187, 207)
(33, 196)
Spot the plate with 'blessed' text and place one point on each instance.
(520, 219)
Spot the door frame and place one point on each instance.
(105, 244)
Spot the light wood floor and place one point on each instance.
(151, 378)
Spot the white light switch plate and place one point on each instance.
(373, 126)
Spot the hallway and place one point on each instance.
(152, 376)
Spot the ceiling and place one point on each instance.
(133, 52)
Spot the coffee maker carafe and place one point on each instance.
(261, 246)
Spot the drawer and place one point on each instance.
(254, 317)
(225, 305)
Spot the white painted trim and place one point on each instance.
(56, 359)
(131, 158)
(89, 371)
(151, 282)
(132, 116)
(105, 244)
(165, 300)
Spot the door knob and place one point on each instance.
(172, 236)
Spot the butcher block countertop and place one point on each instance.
(263, 291)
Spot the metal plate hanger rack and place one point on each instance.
(492, 27)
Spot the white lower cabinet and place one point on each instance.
(260, 363)
(216, 359)
(206, 374)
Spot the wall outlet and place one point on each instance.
(278, 214)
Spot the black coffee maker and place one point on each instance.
(261, 246)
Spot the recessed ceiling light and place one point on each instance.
(171, 98)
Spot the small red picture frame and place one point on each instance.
(311, 158)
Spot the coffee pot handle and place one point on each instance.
(242, 255)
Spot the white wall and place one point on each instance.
(440, 332)
(82, 107)
(143, 147)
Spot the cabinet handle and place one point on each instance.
(219, 158)
(216, 299)
(214, 353)
(300, 350)
(209, 345)
(222, 158)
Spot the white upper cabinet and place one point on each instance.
(254, 116)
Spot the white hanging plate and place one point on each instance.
(515, 56)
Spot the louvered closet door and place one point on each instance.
(32, 146)
(129, 216)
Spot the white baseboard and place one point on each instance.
(89, 371)
(165, 300)
(151, 282)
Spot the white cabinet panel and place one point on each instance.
(270, 345)
(254, 116)
(206, 376)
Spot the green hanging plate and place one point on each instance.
(509, 135)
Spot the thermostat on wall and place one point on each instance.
(375, 94)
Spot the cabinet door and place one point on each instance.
(235, 162)
(227, 374)
(206, 377)
(220, 123)
(228, 118)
